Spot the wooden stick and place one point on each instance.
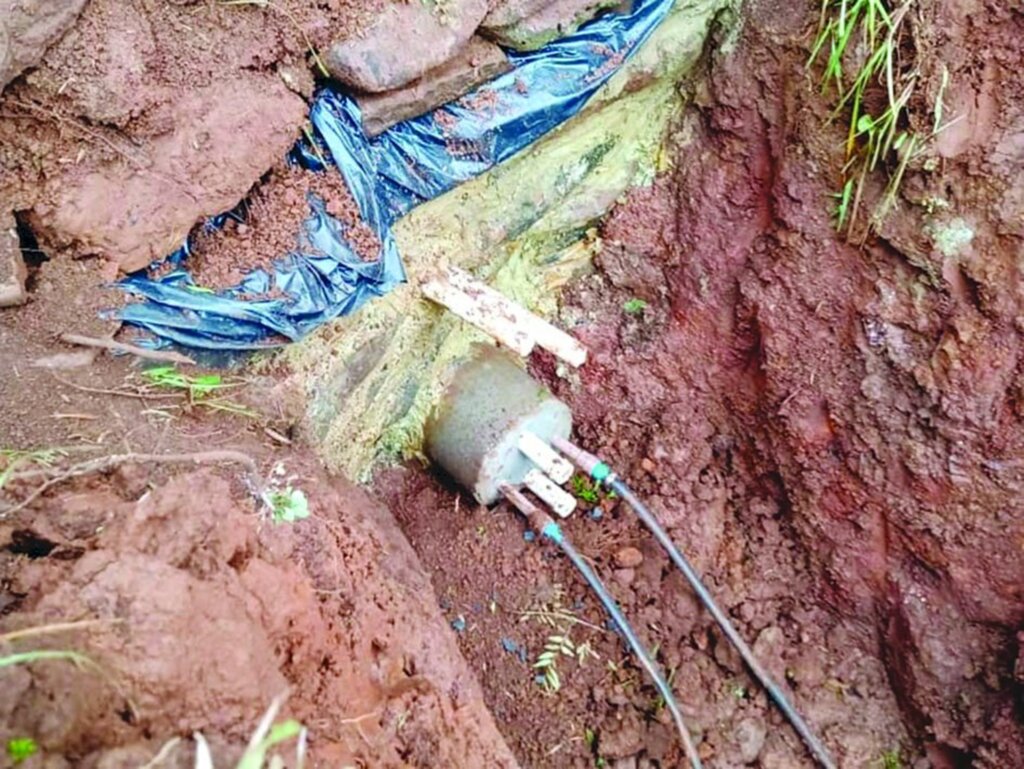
(167, 356)
(496, 321)
(548, 336)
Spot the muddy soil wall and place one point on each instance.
(875, 387)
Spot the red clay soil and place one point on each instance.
(207, 611)
(146, 117)
(832, 432)
(274, 215)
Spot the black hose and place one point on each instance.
(813, 743)
(553, 532)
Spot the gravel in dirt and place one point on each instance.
(274, 217)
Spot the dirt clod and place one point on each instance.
(629, 558)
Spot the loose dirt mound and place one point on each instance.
(208, 611)
(147, 116)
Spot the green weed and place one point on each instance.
(634, 306)
(21, 749)
(659, 701)
(555, 647)
(168, 377)
(587, 491)
(287, 505)
(42, 655)
(842, 210)
(891, 759)
(268, 735)
(197, 389)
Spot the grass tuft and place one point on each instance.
(198, 389)
(860, 43)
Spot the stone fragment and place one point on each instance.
(28, 29)
(505, 12)
(477, 62)
(407, 41)
(550, 22)
(749, 735)
(628, 558)
(625, 577)
(13, 272)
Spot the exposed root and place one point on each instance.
(105, 464)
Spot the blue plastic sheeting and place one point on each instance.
(408, 164)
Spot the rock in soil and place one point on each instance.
(219, 141)
(749, 737)
(628, 558)
(505, 12)
(28, 29)
(550, 22)
(13, 272)
(407, 41)
(476, 63)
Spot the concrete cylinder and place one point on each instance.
(475, 430)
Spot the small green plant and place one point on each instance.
(842, 211)
(268, 735)
(555, 647)
(891, 759)
(587, 491)
(634, 306)
(871, 138)
(169, 378)
(659, 701)
(21, 749)
(197, 389)
(287, 505)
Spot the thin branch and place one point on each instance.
(104, 464)
(54, 115)
(167, 356)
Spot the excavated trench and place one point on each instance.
(829, 427)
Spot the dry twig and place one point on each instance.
(104, 464)
(167, 356)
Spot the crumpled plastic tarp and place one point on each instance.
(408, 164)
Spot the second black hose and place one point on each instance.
(554, 533)
(810, 739)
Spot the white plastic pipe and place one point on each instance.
(503, 326)
(559, 500)
(548, 336)
(547, 460)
